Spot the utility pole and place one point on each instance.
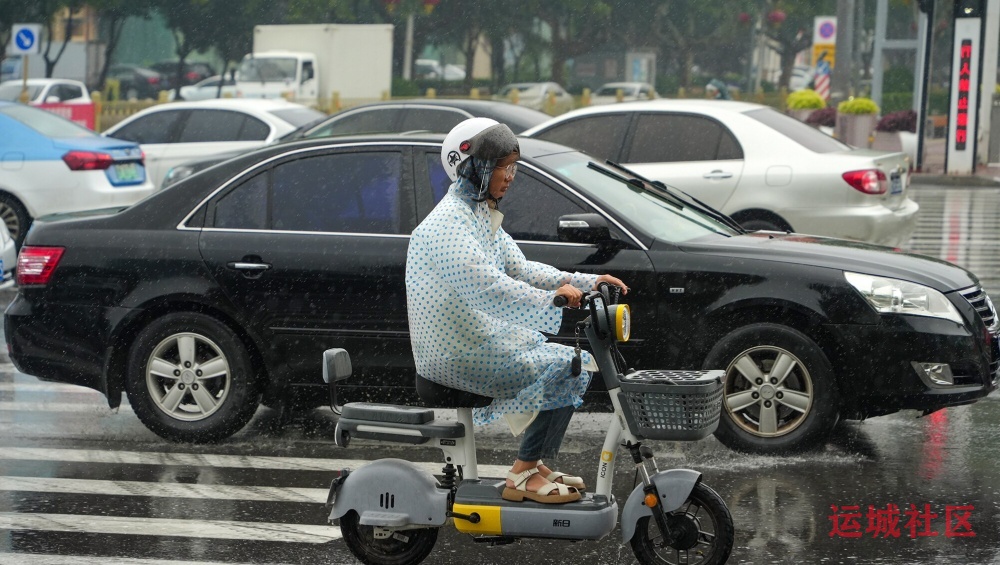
(840, 80)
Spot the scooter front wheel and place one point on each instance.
(403, 547)
(701, 533)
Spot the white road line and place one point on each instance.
(48, 387)
(162, 490)
(39, 559)
(95, 405)
(211, 460)
(209, 529)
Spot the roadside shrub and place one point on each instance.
(858, 106)
(806, 99)
(903, 120)
(826, 117)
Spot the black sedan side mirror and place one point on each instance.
(583, 228)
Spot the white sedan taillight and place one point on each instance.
(869, 181)
(35, 265)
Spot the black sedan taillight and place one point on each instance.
(35, 265)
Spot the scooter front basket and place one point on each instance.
(672, 405)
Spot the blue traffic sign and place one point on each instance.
(25, 39)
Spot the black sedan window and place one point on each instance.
(366, 121)
(221, 125)
(353, 193)
(431, 119)
(244, 207)
(532, 209)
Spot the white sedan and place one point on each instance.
(608, 93)
(46, 91)
(178, 132)
(206, 89)
(766, 170)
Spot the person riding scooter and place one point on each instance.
(477, 309)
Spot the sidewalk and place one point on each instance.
(933, 169)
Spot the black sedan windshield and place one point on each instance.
(653, 213)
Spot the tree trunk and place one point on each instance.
(787, 64)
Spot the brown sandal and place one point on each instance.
(543, 495)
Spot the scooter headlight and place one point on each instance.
(622, 317)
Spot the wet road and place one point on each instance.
(82, 485)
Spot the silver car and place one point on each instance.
(765, 169)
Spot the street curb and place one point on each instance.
(955, 180)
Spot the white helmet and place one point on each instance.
(452, 151)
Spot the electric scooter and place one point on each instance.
(389, 511)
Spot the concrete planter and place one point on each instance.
(855, 129)
(800, 115)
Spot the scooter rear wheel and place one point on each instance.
(405, 547)
(702, 528)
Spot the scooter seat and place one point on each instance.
(434, 395)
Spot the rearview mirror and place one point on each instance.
(583, 228)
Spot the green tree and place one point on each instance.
(194, 25)
(790, 24)
(112, 15)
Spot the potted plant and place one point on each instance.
(897, 131)
(856, 121)
(802, 103)
(823, 119)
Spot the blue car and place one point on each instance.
(51, 165)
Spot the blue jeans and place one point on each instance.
(544, 436)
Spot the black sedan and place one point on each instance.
(220, 292)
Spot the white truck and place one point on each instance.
(314, 62)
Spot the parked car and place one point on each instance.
(223, 290)
(608, 93)
(52, 165)
(8, 259)
(135, 82)
(766, 170)
(173, 133)
(429, 115)
(432, 69)
(536, 95)
(207, 89)
(46, 91)
(191, 72)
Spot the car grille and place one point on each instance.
(984, 306)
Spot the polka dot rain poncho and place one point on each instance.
(477, 307)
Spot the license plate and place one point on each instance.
(127, 172)
(897, 185)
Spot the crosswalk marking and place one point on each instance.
(208, 529)
(212, 460)
(162, 490)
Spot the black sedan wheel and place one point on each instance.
(190, 379)
(779, 396)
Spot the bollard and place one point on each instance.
(474, 94)
(385, 95)
(431, 93)
(550, 104)
(163, 97)
(585, 97)
(335, 105)
(681, 93)
(619, 95)
(98, 108)
(515, 96)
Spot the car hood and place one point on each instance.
(839, 254)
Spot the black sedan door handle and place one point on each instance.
(251, 266)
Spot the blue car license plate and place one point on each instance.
(127, 172)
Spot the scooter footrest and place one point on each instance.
(389, 413)
(384, 519)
